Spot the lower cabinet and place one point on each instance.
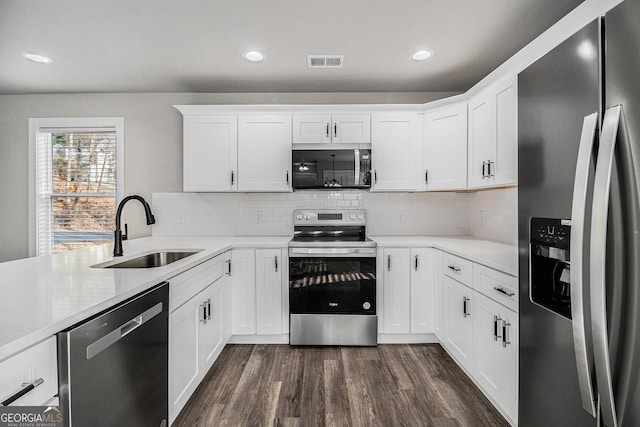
(258, 293)
(408, 290)
(496, 352)
(458, 321)
(198, 331)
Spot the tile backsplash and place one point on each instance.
(262, 214)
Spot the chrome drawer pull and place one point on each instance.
(454, 268)
(26, 388)
(465, 306)
(503, 291)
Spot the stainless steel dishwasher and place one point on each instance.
(113, 368)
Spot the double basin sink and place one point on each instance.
(150, 260)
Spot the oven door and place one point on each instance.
(332, 281)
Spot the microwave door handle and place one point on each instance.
(356, 167)
(583, 355)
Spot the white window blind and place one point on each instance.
(76, 187)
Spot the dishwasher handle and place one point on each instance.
(122, 331)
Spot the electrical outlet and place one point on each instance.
(180, 218)
(400, 217)
(259, 217)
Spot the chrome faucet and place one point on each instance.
(118, 236)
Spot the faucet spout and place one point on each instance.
(118, 236)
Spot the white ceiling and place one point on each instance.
(196, 45)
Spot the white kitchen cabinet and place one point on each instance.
(396, 290)
(39, 362)
(269, 267)
(199, 327)
(493, 135)
(495, 349)
(408, 286)
(444, 150)
(422, 290)
(243, 285)
(328, 128)
(395, 147)
(264, 152)
(458, 322)
(210, 152)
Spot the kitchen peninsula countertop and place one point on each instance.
(43, 295)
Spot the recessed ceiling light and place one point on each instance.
(421, 55)
(40, 59)
(253, 56)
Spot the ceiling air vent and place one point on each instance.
(325, 61)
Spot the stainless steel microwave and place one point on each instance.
(331, 169)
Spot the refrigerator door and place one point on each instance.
(555, 94)
(622, 276)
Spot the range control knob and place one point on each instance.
(360, 217)
(366, 305)
(307, 217)
(298, 216)
(352, 216)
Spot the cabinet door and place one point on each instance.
(351, 128)
(395, 141)
(184, 362)
(210, 152)
(422, 291)
(311, 128)
(269, 291)
(445, 148)
(458, 322)
(396, 291)
(264, 152)
(211, 333)
(506, 152)
(482, 134)
(243, 291)
(495, 352)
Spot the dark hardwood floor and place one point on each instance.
(388, 385)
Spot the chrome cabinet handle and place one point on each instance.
(465, 306)
(375, 176)
(335, 130)
(24, 389)
(287, 177)
(232, 177)
(490, 173)
(496, 329)
(228, 262)
(327, 130)
(426, 176)
(454, 268)
(203, 307)
(275, 259)
(484, 165)
(208, 308)
(503, 291)
(416, 263)
(388, 262)
(505, 339)
(583, 354)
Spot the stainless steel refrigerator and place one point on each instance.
(579, 228)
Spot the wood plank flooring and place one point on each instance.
(388, 385)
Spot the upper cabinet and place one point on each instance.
(444, 149)
(493, 135)
(328, 128)
(395, 147)
(210, 152)
(264, 152)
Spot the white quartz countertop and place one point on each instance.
(493, 255)
(42, 296)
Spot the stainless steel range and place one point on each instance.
(332, 279)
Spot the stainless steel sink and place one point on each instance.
(150, 260)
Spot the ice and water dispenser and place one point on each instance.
(550, 264)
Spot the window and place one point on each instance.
(75, 182)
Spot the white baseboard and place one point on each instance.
(407, 339)
(259, 339)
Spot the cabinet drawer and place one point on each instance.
(496, 285)
(457, 268)
(185, 285)
(29, 366)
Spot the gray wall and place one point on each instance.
(153, 142)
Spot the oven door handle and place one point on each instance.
(332, 252)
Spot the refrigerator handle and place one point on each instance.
(584, 355)
(601, 190)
